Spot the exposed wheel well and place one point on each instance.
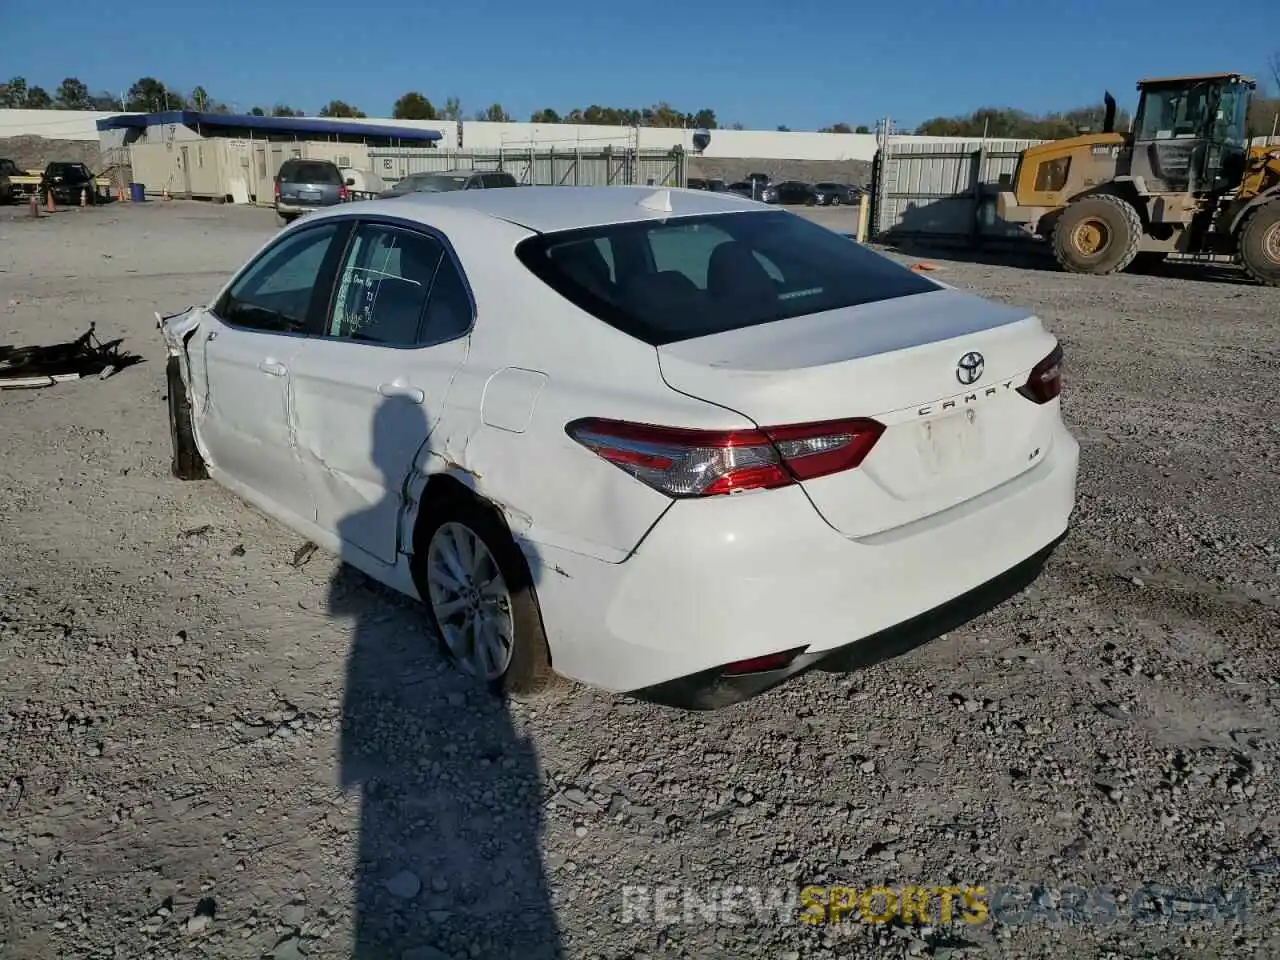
(444, 489)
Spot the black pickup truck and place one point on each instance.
(68, 181)
(8, 169)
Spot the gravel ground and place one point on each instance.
(215, 745)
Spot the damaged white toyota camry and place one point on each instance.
(672, 443)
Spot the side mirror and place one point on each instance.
(351, 181)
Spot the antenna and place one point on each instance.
(658, 201)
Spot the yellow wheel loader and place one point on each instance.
(1185, 179)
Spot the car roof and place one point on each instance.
(551, 209)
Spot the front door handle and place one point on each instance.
(400, 390)
(273, 368)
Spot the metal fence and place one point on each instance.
(942, 189)
(531, 167)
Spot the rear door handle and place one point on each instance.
(400, 390)
(273, 368)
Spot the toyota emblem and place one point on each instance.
(969, 369)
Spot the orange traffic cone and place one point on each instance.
(49, 204)
(119, 194)
(35, 206)
(84, 196)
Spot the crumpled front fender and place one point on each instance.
(176, 327)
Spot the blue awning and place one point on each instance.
(284, 125)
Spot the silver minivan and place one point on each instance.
(306, 185)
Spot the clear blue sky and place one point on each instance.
(758, 62)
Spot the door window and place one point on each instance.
(383, 286)
(276, 293)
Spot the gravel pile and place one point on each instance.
(217, 743)
(34, 153)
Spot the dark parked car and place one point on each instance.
(834, 194)
(715, 185)
(8, 169)
(789, 192)
(68, 182)
(445, 180)
(306, 185)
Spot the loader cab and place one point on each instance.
(1189, 133)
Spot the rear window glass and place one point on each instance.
(666, 281)
(310, 173)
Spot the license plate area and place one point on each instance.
(309, 194)
(953, 444)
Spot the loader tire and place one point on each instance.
(1260, 244)
(187, 463)
(1097, 235)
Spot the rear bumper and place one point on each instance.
(1009, 212)
(712, 688)
(294, 206)
(723, 580)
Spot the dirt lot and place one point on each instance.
(212, 746)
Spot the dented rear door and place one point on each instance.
(370, 388)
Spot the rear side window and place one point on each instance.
(310, 172)
(383, 286)
(663, 282)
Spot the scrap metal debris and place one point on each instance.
(86, 356)
(304, 553)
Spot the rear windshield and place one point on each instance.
(673, 280)
(68, 170)
(432, 183)
(310, 173)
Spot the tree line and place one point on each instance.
(149, 95)
(1006, 122)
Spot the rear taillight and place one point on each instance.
(343, 194)
(277, 189)
(1045, 381)
(770, 661)
(703, 463)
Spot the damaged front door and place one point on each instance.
(245, 350)
(370, 388)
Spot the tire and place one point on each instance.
(835, 201)
(187, 462)
(1112, 220)
(528, 671)
(1260, 244)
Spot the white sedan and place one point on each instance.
(673, 443)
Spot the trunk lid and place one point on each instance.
(896, 361)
